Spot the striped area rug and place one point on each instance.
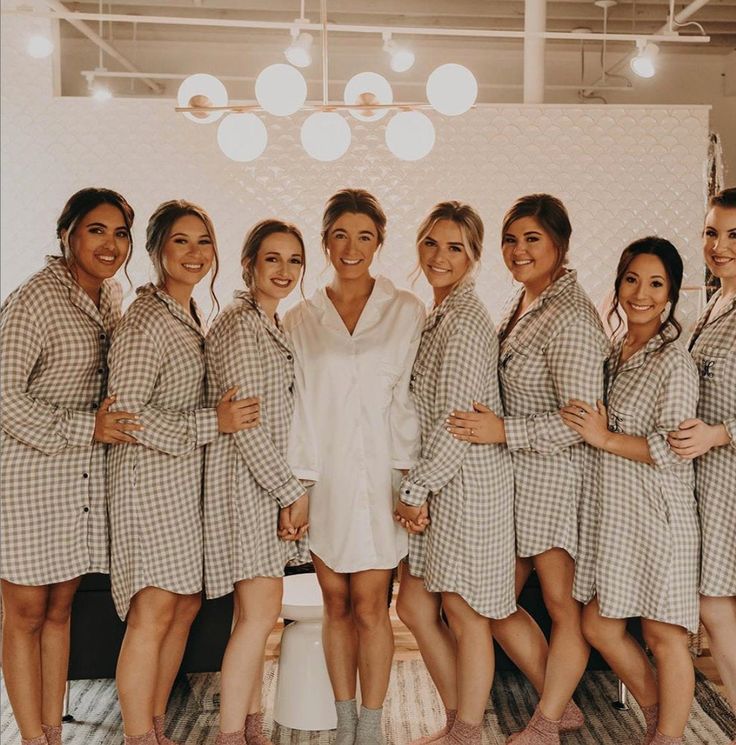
(412, 710)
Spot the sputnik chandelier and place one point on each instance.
(281, 90)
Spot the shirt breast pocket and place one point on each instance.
(716, 364)
(618, 420)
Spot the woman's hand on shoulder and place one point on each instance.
(694, 438)
(112, 427)
(234, 416)
(480, 426)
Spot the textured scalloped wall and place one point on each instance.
(622, 171)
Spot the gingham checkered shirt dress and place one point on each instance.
(157, 369)
(247, 478)
(469, 546)
(713, 348)
(555, 352)
(641, 552)
(54, 344)
(355, 423)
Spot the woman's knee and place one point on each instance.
(26, 616)
(187, 608)
(369, 613)
(718, 613)
(337, 605)
(664, 639)
(598, 632)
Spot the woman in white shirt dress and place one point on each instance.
(552, 349)
(157, 369)
(463, 561)
(640, 545)
(250, 494)
(355, 427)
(711, 439)
(55, 331)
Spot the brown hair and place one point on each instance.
(252, 245)
(466, 218)
(80, 204)
(672, 262)
(358, 201)
(159, 229)
(550, 213)
(725, 198)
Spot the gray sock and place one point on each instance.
(347, 722)
(369, 730)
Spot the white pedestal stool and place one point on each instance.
(304, 698)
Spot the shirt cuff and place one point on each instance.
(517, 435)
(402, 465)
(304, 474)
(205, 423)
(78, 428)
(660, 452)
(730, 425)
(413, 494)
(287, 493)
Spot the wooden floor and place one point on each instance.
(406, 647)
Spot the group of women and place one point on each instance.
(363, 433)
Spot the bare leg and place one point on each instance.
(622, 652)
(259, 603)
(149, 619)
(25, 613)
(368, 594)
(339, 634)
(55, 642)
(719, 618)
(568, 650)
(475, 659)
(420, 610)
(675, 674)
(520, 636)
(172, 649)
(255, 699)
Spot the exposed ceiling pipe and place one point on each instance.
(93, 36)
(478, 33)
(681, 17)
(535, 24)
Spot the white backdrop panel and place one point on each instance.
(623, 172)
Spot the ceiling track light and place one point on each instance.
(299, 52)
(402, 58)
(643, 63)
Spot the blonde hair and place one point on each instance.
(469, 222)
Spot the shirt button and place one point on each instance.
(291, 388)
(103, 337)
(85, 509)
(289, 357)
(94, 407)
(100, 371)
(85, 475)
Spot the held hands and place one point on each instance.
(413, 519)
(478, 426)
(294, 519)
(591, 424)
(694, 438)
(111, 426)
(234, 416)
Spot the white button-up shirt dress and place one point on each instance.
(713, 347)
(354, 422)
(54, 343)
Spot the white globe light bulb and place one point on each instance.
(281, 89)
(410, 135)
(202, 90)
(325, 136)
(368, 88)
(242, 137)
(452, 89)
(40, 47)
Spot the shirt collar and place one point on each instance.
(174, 308)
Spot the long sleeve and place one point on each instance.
(677, 400)
(461, 379)
(404, 422)
(236, 357)
(34, 422)
(302, 454)
(135, 365)
(730, 425)
(575, 359)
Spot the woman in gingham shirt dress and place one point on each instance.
(54, 331)
(157, 369)
(250, 493)
(711, 440)
(641, 546)
(552, 349)
(463, 563)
